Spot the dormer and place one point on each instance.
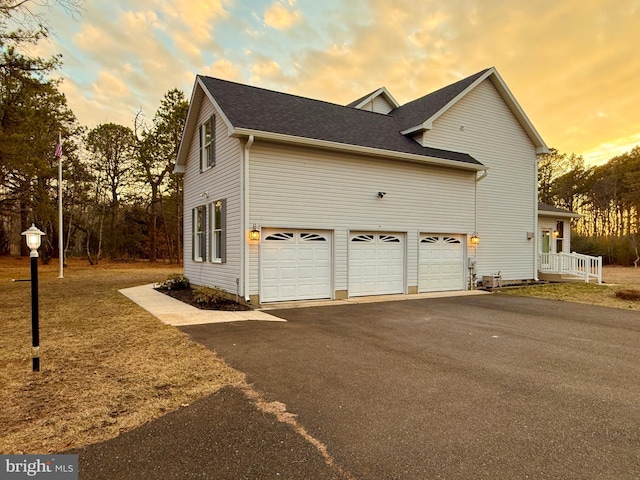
(379, 101)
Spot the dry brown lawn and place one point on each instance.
(107, 366)
(614, 277)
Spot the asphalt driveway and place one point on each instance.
(486, 387)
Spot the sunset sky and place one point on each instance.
(573, 65)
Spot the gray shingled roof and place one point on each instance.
(550, 209)
(274, 112)
(417, 111)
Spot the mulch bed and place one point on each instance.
(186, 295)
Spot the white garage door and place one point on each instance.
(295, 265)
(441, 263)
(376, 263)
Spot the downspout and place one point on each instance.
(473, 272)
(535, 222)
(245, 217)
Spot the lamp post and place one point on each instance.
(33, 238)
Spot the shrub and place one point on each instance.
(207, 295)
(628, 294)
(175, 281)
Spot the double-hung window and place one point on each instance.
(218, 231)
(207, 143)
(209, 232)
(200, 233)
(559, 236)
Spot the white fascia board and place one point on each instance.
(219, 111)
(187, 130)
(377, 152)
(542, 213)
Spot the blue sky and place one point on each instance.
(572, 64)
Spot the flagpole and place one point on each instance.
(60, 225)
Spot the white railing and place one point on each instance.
(574, 264)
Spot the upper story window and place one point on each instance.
(207, 143)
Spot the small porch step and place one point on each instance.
(563, 278)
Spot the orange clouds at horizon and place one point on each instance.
(572, 65)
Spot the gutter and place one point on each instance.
(536, 225)
(377, 152)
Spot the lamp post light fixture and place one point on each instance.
(33, 237)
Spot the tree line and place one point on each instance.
(606, 196)
(120, 198)
(121, 201)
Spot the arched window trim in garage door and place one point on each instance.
(282, 236)
(312, 237)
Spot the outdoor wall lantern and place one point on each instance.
(475, 239)
(555, 234)
(33, 237)
(254, 234)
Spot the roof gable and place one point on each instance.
(369, 101)
(419, 115)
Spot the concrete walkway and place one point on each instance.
(177, 313)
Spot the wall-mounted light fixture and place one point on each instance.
(475, 239)
(381, 194)
(555, 234)
(254, 233)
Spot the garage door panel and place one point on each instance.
(376, 263)
(441, 263)
(295, 265)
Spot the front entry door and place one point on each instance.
(546, 241)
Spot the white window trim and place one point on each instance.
(207, 161)
(199, 236)
(217, 242)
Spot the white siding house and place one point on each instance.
(364, 199)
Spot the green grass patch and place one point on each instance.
(603, 295)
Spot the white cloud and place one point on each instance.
(279, 17)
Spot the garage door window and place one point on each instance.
(280, 236)
(362, 238)
(312, 237)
